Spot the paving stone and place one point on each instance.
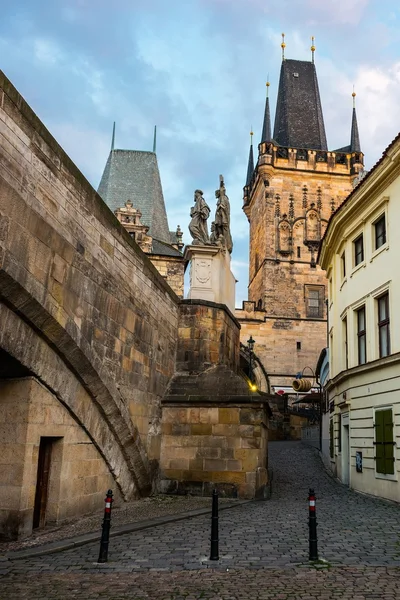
(358, 536)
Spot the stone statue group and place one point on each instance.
(220, 227)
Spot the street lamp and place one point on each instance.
(250, 346)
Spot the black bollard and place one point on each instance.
(312, 524)
(105, 534)
(214, 527)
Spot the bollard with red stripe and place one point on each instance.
(105, 534)
(312, 524)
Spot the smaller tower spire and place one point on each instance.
(312, 48)
(266, 130)
(155, 139)
(250, 166)
(283, 46)
(113, 138)
(354, 138)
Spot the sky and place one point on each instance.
(197, 69)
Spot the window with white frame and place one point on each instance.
(343, 264)
(358, 245)
(361, 336)
(383, 325)
(380, 232)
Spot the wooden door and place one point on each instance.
(42, 482)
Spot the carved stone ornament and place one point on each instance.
(203, 271)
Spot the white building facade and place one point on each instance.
(360, 252)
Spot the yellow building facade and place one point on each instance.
(359, 252)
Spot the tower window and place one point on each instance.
(298, 345)
(298, 252)
(314, 298)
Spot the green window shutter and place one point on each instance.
(379, 439)
(388, 439)
(384, 441)
(331, 439)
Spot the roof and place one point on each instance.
(362, 182)
(134, 175)
(266, 130)
(299, 121)
(163, 249)
(355, 145)
(250, 165)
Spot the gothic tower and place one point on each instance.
(288, 198)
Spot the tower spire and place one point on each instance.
(250, 166)
(312, 48)
(155, 139)
(266, 130)
(113, 137)
(283, 46)
(354, 138)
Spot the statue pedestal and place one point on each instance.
(211, 277)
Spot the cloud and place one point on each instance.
(46, 51)
(197, 69)
(342, 12)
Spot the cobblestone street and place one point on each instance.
(263, 549)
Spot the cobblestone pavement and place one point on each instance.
(263, 549)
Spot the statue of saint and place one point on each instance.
(223, 217)
(198, 225)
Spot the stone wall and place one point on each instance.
(214, 428)
(172, 269)
(83, 295)
(276, 343)
(208, 335)
(207, 445)
(79, 477)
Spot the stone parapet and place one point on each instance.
(207, 446)
(208, 335)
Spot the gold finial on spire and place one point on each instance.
(267, 84)
(251, 135)
(354, 98)
(312, 48)
(283, 46)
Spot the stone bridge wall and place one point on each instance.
(81, 306)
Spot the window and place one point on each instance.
(298, 252)
(361, 336)
(314, 296)
(298, 345)
(331, 440)
(339, 439)
(380, 232)
(383, 325)
(358, 250)
(345, 343)
(343, 265)
(384, 443)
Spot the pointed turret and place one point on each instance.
(250, 166)
(355, 138)
(134, 175)
(266, 130)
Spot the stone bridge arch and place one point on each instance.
(41, 346)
